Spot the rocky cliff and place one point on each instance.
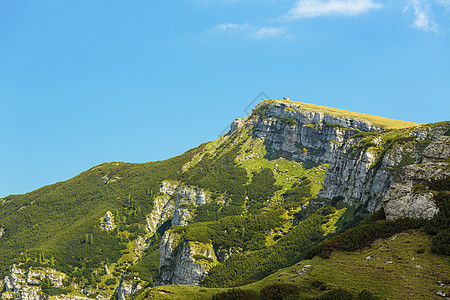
(177, 203)
(404, 197)
(297, 132)
(184, 262)
(364, 168)
(128, 285)
(25, 284)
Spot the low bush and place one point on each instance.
(279, 291)
(111, 281)
(342, 294)
(236, 294)
(337, 294)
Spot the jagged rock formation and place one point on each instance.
(363, 171)
(107, 179)
(292, 131)
(439, 149)
(25, 283)
(184, 262)
(403, 199)
(177, 203)
(128, 285)
(108, 221)
(237, 123)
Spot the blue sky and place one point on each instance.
(87, 82)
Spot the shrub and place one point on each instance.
(245, 282)
(337, 294)
(54, 291)
(420, 251)
(366, 295)
(319, 284)
(279, 291)
(111, 281)
(236, 294)
(440, 224)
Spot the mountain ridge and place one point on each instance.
(280, 181)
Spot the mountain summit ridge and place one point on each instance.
(383, 122)
(287, 176)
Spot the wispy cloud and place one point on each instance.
(316, 8)
(249, 31)
(445, 3)
(423, 17)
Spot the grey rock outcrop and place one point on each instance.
(185, 198)
(108, 221)
(128, 285)
(302, 134)
(437, 150)
(184, 262)
(177, 203)
(364, 174)
(107, 179)
(25, 283)
(237, 123)
(402, 200)
(2, 231)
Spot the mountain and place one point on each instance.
(291, 181)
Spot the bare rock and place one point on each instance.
(108, 221)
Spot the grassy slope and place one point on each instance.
(55, 219)
(412, 275)
(383, 122)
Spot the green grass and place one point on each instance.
(410, 276)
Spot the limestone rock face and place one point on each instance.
(363, 175)
(237, 123)
(128, 285)
(184, 262)
(437, 150)
(178, 203)
(184, 198)
(25, 283)
(163, 207)
(403, 201)
(108, 221)
(305, 135)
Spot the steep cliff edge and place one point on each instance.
(365, 167)
(177, 203)
(184, 262)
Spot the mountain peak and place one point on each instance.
(338, 116)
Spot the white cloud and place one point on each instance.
(423, 17)
(315, 8)
(251, 32)
(445, 3)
